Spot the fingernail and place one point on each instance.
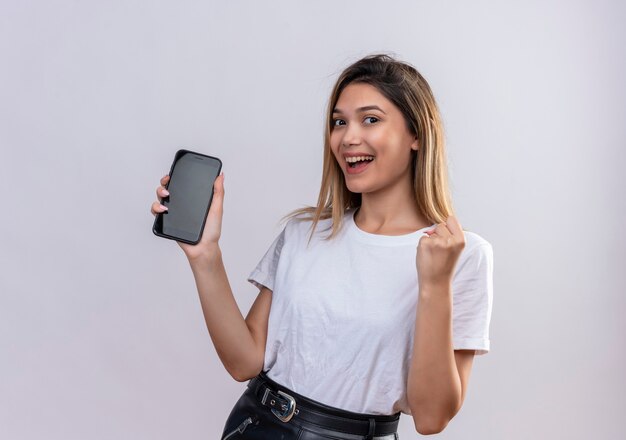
(165, 207)
(166, 192)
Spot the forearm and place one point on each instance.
(434, 386)
(226, 325)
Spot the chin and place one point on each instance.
(358, 189)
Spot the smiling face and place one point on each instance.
(366, 123)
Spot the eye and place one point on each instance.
(372, 117)
(337, 120)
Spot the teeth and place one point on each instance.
(358, 158)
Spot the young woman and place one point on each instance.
(383, 314)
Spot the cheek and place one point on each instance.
(334, 142)
(393, 161)
(333, 137)
(334, 148)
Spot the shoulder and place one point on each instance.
(474, 241)
(477, 252)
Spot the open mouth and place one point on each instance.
(358, 164)
(354, 162)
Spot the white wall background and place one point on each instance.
(101, 331)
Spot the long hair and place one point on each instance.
(407, 89)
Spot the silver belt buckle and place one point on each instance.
(287, 410)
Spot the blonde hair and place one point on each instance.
(405, 87)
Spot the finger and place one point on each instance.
(164, 179)
(440, 230)
(157, 208)
(162, 192)
(431, 231)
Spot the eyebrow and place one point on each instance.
(362, 109)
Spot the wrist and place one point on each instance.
(207, 258)
(435, 289)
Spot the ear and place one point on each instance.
(415, 144)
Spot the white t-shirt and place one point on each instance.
(343, 311)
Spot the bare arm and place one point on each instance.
(438, 374)
(240, 344)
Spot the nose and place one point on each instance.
(351, 135)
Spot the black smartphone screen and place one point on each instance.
(191, 190)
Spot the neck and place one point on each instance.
(390, 211)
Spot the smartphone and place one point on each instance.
(191, 191)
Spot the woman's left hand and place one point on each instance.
(438, 252)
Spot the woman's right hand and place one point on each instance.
(208, 244)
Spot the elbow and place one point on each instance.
(245, 374)
(239, 377)
(242, 376)
(429, 427)
(429, 420)
(428, 423)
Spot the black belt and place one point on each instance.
(287, 405)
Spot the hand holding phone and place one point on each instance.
(192, 188)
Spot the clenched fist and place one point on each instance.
(438, 252)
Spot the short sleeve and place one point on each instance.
(264, 273)
(472, 289)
